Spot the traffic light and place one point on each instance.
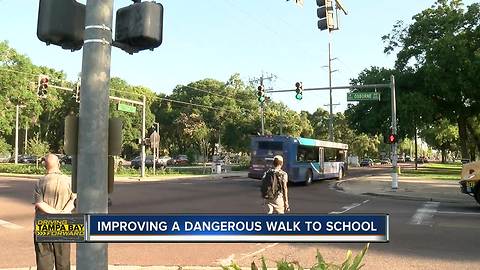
(42, 86)
(77, 92)
(325, 15)
(392, 138)
(139, 26)
(261, 93)
(61, 22)
(299, 90)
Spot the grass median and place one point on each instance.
(434, 171)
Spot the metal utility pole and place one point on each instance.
(93, 126)
(330, 71)
(142, 155)
(26, 139)
(263, 110)
(155, 149)
(262, 105)
(394, 130)
(16, 133)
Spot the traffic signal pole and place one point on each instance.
(142, 157)
(394, 129)
(93, 126)
(391, 85)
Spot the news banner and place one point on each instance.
(212, 228)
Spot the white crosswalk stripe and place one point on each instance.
(425, 214)
(9, 225)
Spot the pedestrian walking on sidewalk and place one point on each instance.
(53, 195)
(274, 188)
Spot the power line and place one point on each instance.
(199, 105)
(210, 92)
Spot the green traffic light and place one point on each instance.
(299, 96)
(261, 99)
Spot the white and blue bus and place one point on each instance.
(305, 159)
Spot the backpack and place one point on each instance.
(271, 184)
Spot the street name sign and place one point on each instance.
(361, 96)
(126, 108)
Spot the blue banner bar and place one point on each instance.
(238, 228)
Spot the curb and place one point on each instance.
(138, 267)
(337, 186)
(138, 179)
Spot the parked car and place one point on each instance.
(137, 162)
(119, 161)
(408, 159)
(4, 158)
(385, 161)
(422, 160)
(181, 160)
(64, 159)
(367, 162)
(166, 160)
(27, 159)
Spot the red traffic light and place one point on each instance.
(392, 138)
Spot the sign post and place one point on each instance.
(155, 143)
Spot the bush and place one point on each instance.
(350, 263)
(29, 169)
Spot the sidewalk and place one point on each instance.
(408, 188)
(133, 267)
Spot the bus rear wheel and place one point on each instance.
(308, 178)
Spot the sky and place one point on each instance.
(217, 38)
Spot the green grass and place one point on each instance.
(435, 171)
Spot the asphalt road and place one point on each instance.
(424, 234)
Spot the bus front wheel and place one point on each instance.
(308, 178)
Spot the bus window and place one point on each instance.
(307, 154)
(334, 155)
(276, 146)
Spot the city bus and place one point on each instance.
(305, 160)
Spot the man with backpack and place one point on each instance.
(274, 188)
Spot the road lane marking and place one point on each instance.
(258, 251)
(458, 213)
(9, 225)
(424, 215)
(349, 207)
(229, 259)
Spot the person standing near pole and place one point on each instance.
(274, 188)
(53, 195)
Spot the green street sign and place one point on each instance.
(126, 108)
(361, 96)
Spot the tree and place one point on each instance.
(442, 44)
(442, 136)
(38, 148)
(5, 148)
